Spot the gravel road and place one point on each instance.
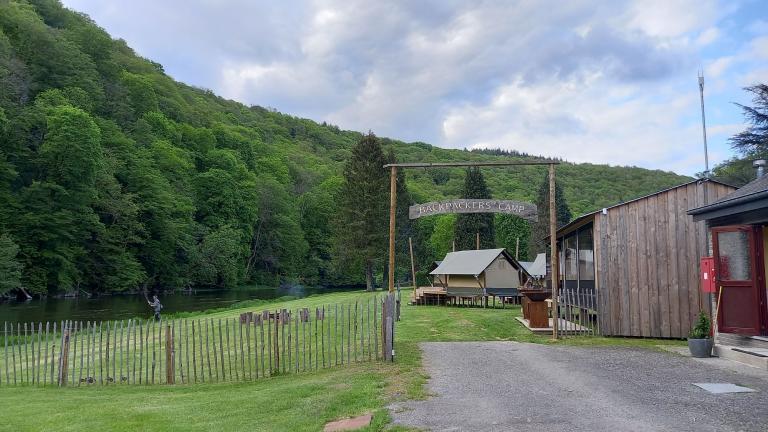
(508, 386)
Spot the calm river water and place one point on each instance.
(133, 305)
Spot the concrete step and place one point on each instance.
(755, 357)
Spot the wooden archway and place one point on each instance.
(552, 220)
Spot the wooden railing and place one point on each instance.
(578, 312)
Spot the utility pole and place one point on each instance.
(555, 266)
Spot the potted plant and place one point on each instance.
(699, 341)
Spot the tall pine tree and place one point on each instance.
(363, 214)
(469, 224)
(540, 229)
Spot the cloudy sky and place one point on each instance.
(590, 81)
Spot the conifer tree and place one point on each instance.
(540, 229)
(363, 214)
(469, 224)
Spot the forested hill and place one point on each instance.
(115, 177)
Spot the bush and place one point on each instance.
(702, 327)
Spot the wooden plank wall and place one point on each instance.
(648, 254)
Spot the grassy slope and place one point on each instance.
(293, 402)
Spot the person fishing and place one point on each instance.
(157, 306)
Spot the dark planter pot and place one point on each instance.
(700, 348)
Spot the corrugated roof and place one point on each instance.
(468, 262)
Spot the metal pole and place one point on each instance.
(710, 296)
(553, 249)
(392, 209)
(703, 124)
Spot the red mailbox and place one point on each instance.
(708, 274)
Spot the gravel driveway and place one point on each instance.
(508, 386)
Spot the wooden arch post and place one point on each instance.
(392, 211)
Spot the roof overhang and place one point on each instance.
(751, 208)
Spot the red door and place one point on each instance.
(739, 271)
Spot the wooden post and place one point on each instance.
(413, 267)
(64, 359)
(170, 376)
(517, 249)
(392, 210)
(553, 249)
(477, 240)
(454, 246)
(207, 351)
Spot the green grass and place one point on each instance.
(302, 402)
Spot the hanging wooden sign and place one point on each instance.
(522, 209)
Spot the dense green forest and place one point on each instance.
(115, 177)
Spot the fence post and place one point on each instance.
(389, 327)
(170, 376)
(397, 307)
(63, 370)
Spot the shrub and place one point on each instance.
(702, 327)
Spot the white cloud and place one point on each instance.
(708, 36)
(671, 18)
(601, 82)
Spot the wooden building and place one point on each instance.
(739, 227)
(480, 273)
(640, 259)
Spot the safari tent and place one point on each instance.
(480, 273)
(538, 267)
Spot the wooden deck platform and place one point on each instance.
(437, 295)
(429, 295)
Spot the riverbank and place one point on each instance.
(121, 306)
(302, 402)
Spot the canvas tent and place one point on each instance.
(480, 273)
(536, 268)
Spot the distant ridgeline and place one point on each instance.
(114, 177)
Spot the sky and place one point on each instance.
(588, 81)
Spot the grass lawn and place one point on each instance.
(302, 402)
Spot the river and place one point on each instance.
(123, 306)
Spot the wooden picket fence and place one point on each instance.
(198, 350)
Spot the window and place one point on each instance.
(586, 255)
(735, 259)
(571, 262)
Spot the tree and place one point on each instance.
(469, 224)
(510, 229)
(540, 229)
(441, 239)
(363, 209)
(754, 140)
(751, 143)
(10, 268)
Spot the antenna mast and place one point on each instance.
(703, 123)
